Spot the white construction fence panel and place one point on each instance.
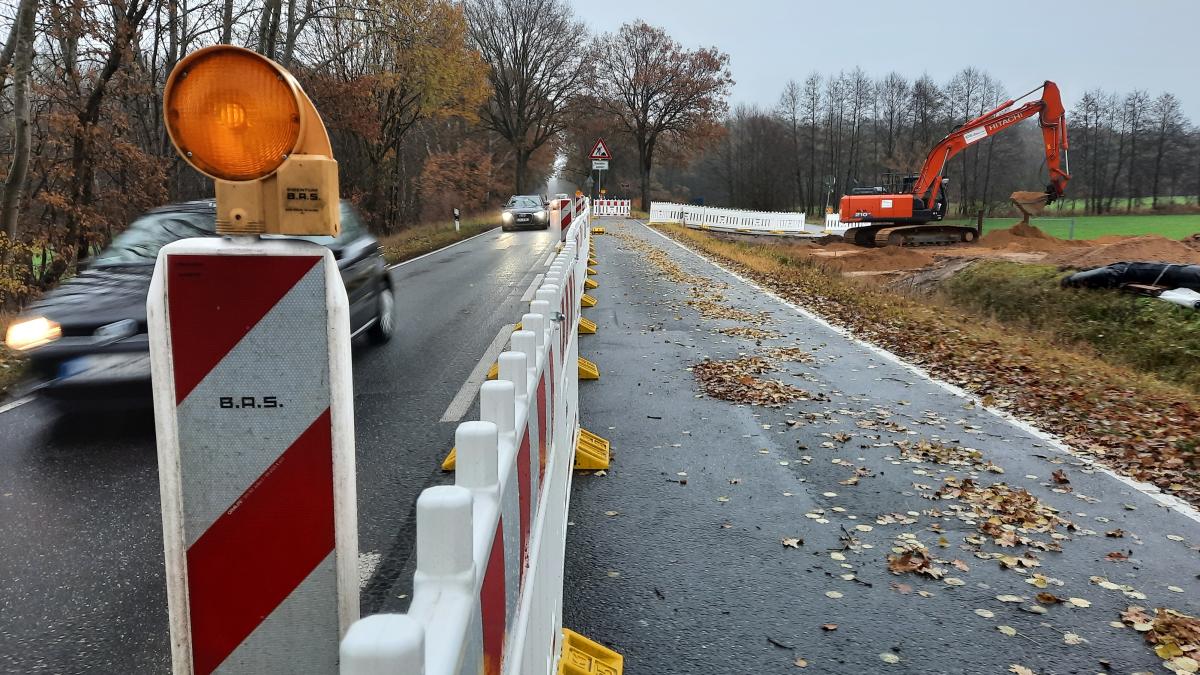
(834, 224)
(731, 220)
(487, 592)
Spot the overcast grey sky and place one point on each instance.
(1114, 44)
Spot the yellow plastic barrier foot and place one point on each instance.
(597, 230)
(588, 370)
(590, 270)
(448, 463)
(591, 283)
(587, 300)
(592, 261)
(517, 327)
(591, 452)
(586, 326)
(494, 371)
(581, 656)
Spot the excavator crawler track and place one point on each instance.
(925, 235)
(912, 235)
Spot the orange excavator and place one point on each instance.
(901, 214)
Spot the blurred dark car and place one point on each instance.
(86, 340)
(525, 211)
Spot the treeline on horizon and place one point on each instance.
(828, 133)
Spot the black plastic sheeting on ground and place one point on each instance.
(1117, 274)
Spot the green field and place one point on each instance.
(1090, 227)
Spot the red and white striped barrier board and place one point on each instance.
(611, 207)
(251, 372)
(487, 592)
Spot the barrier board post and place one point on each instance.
(250, 357)
(251, 377)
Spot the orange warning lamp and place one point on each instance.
(243, 120)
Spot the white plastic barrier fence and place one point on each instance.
(834, 224)
(731, 220)
(487, 592)
(612, 207)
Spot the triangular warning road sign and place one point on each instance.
(600, 150)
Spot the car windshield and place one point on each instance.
(141, 241)
(524, 202)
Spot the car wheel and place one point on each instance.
(385, 320)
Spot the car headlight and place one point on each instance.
(540, 215)
(32, 333)
(506, 216)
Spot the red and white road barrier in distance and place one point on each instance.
(487, 592)
(620, 208)
(250, 356)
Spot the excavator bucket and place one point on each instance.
(1030, 203)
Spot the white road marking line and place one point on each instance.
(466, 395)
(1152, 491)
(444, 248)
(368, 562)
(533, 287)
(550, 256)
(15, 404)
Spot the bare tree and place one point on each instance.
(1168, 121)
(790, 110)
(538, 55)
(657, 88)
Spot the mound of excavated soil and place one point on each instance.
(842, 246)
(1192, 241)
(882, 260)
(1025, 237)
(1148, 248)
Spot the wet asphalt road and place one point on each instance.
(81, 585)
(692, 578)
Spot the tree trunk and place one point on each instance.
(227, 22)
(522, 166)
(645, 162)
(23, 64)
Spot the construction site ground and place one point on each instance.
(1020, 243)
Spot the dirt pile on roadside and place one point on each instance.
(881, 260)
(1192, 241)
(1148, 248)
(1025, 237)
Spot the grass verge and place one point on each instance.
(1133, 422)
(1142, 333)
(421, 239)
(1171, 226)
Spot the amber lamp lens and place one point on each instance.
(232, 115)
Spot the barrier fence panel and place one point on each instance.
(612, 207)
(731, 220)
(487, 592)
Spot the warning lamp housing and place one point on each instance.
(244, 121)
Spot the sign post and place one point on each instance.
(457, 216)
(600, 156)
(250, 360)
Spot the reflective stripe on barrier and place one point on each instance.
(494, 605)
